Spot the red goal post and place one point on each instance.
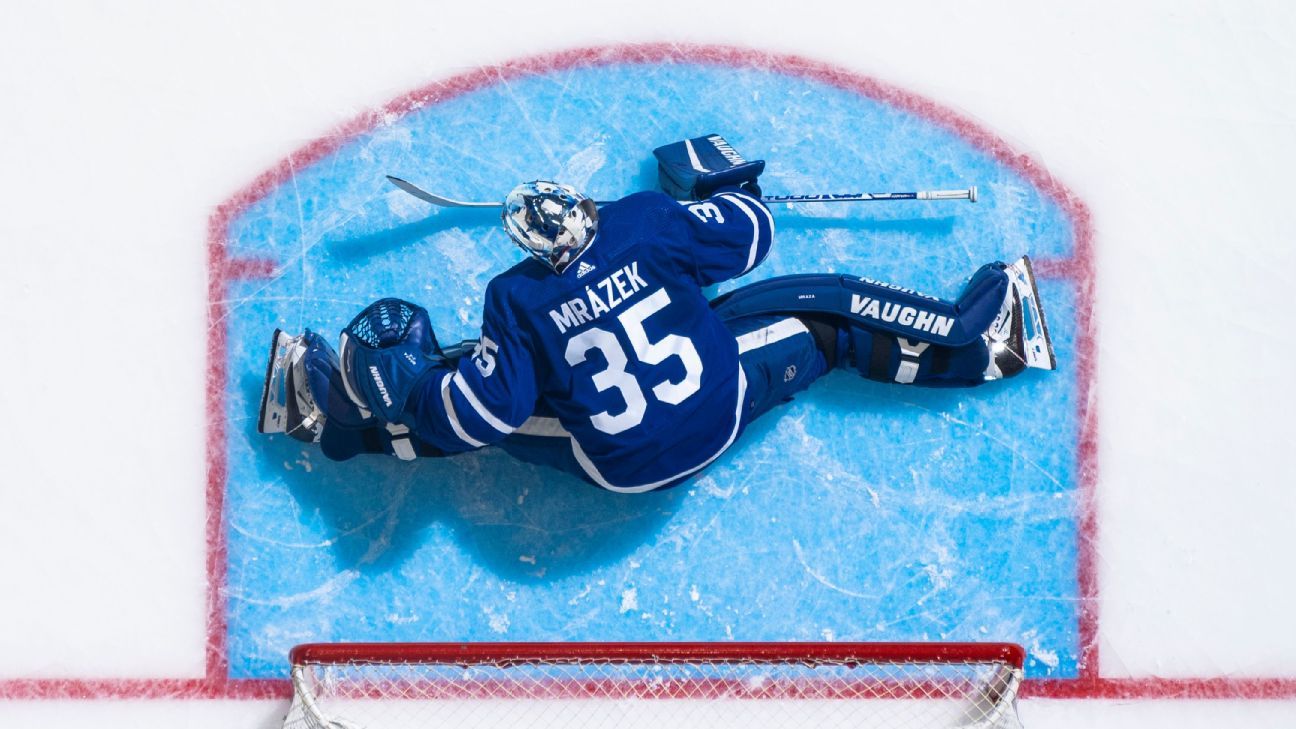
(655, 685)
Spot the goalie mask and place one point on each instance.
(550, 221)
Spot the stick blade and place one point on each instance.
(442, 202)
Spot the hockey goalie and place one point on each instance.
(600, 355)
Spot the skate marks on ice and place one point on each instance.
(857, 512)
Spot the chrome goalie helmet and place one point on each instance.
(550, 221)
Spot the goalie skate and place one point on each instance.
(287, 405)
(1019, 338)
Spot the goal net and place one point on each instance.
(655, 685)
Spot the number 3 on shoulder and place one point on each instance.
(706, 212)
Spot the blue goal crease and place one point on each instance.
(856, 512)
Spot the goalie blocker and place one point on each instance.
(695, 168)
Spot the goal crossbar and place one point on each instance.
(505, 653)
(655, 685)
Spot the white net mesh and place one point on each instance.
(654, 693)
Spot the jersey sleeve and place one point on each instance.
(729, 234)
(488, 395)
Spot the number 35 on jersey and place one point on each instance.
(615, 376)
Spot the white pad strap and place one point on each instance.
(909, 353)
(400, 442)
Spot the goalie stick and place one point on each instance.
(969, 194)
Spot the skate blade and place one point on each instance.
(1037, 345)
(274, 395)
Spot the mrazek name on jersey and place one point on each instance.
(600, 298)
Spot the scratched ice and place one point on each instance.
(857, 512)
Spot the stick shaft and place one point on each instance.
(968, 194)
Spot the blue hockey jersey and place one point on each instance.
(622, 347)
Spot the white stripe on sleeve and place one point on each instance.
(453, 417)
(757, 204)
(755, 242)
(479, 408)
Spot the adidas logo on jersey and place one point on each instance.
(583, 269)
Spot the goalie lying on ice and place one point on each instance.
(599, 354)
